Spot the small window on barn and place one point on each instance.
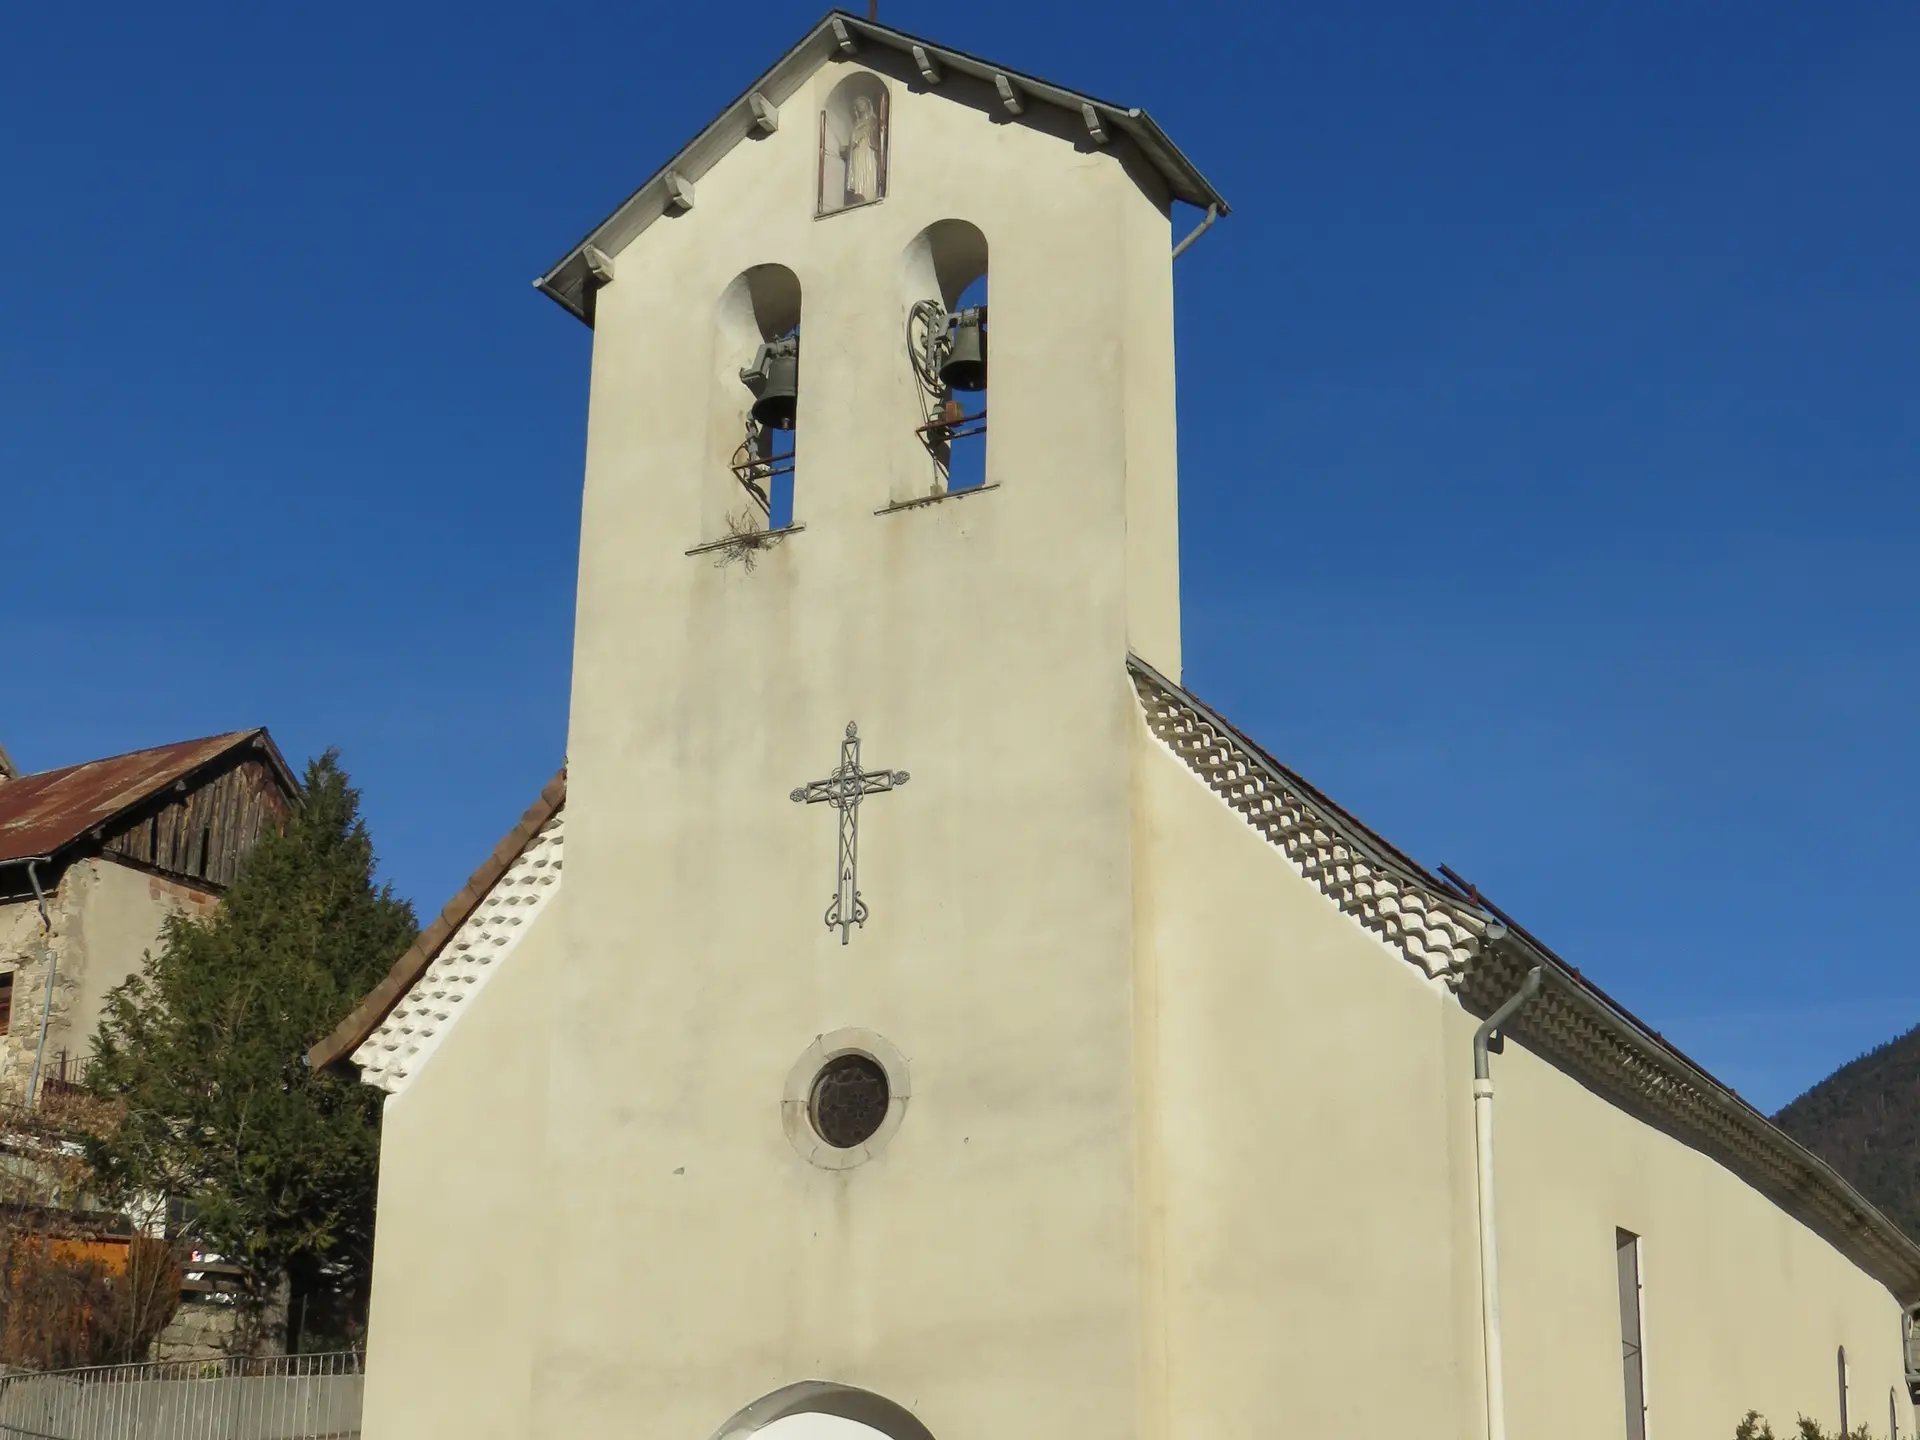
(6, 1002)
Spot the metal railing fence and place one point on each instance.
(282, 1397)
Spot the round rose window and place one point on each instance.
(848, 1101)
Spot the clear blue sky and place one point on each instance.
(1548, 428)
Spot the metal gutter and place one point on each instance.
(1658, 1054)
(1213, 214)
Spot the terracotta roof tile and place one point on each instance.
(379, 1002)
(1572, 1024)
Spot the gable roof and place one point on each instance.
(842, 33)
(47, 813)
(372, 1012)
(1440, 924)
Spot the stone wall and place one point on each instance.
(199, 1330)
(212, 1327)
(105, 916)
(25, 943)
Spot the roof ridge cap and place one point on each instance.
(236, 736)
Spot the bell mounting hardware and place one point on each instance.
(774, 379)
(949, 348)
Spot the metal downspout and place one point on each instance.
(1495, 1377)
(1213, 214)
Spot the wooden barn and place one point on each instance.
(93, 858)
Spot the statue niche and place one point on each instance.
(853, 145)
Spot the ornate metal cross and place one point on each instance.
(844, 789)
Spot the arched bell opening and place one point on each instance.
(823, 1410)
(757, 375)
(944, 272)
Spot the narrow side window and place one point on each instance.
(1626, 1248)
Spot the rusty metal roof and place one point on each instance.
(46, 813)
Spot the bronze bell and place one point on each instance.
(965, 365)
(775, 381)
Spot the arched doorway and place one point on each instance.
(823, 1410)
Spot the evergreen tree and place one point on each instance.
(273, 1166)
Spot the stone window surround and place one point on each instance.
(794, 1117)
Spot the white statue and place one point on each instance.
(863, 153)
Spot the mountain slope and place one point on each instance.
(1864, 1120)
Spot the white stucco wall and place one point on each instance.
(1318, 1272)
(1320, 1249)
(1745, 1307)
(466, 1226)
(978, 643)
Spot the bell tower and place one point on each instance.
(843, 1082)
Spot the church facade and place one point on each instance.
(911, 1005)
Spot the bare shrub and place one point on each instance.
(73, 1300)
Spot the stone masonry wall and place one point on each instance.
(105, 916)
(24, 946)
(207, 1329)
